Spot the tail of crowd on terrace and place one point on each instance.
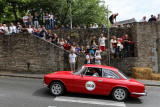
(119, 47)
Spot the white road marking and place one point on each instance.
(52, 106)
(90, 101)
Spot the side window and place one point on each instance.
(88, 71)
(97, 72)
(110, 74)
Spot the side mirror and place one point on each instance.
(81, 75)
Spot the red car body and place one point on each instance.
(103, 86)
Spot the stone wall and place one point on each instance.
(28, 53)
(84, 36)
(147, 37)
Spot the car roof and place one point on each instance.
(101, 66)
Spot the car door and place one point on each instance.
(110, 79)
(88, 84)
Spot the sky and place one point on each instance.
(129, 9)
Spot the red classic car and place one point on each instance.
(95, 79)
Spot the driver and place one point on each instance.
(95, 74)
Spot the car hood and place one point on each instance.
(59, 73)
(63, 72)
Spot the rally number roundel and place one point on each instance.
(90, 85)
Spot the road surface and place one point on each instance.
(23, 92)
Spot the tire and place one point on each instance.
(57, 88)
(119, 94)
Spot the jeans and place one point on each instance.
(127, 51)
(36, 23)
(51, 23)
(47, 26)
(31, 23)
(115, 52)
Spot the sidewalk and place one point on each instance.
(40, 76)
(35, 76)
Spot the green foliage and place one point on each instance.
(83, 11)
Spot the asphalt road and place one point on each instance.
(22, 92)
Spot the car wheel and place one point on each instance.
(120, 94)
(57, 88)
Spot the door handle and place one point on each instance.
(100, 80)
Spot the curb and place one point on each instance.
(152, 85)
(21, 76)
(41, 77)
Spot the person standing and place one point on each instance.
(90, 26)
(1, 27)
(103, 25)
(152, 19)
(126, 45)
(51, 20)
(84, 26)
(102, 42)
(89, 58)
(30, 19)
(12, 28)
(98, 58)
(25, 19)
(144, 19)
(47, 21)
(113, 47)
(158, 18)
(5, 28)
(112, 18)
(95, 25)
(18, 27)
(72, 60)
(36, 20)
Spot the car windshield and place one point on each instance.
(78, 70)
(123, 75)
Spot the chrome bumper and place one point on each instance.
(44, 83)
(141, 94)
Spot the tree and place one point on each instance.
(88, 11)
(83, 11)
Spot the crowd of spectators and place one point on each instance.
(151, 19)
(31, 24)
(121, 47)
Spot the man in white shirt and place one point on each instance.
(12, 28)
(95, 25)
(102, 42)
(144, 19)
(98, 58)
(95, 74)
(1, 27)
(72, 60)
